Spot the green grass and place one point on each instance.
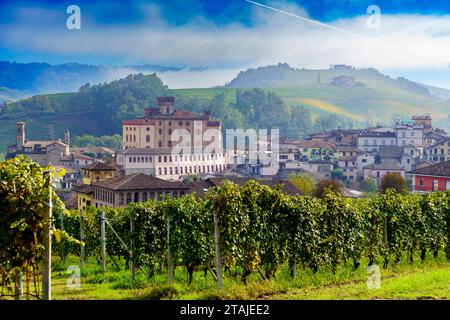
(429, 279)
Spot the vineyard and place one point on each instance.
(244, 230)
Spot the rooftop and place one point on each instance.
(385, 166)
(99, 166)
(441, 169)
(140, 181)
(391, 152)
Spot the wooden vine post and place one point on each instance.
(82, 259)
(133, 265)
(169, 254)
(218, 250)
(47, 263)
(103, 240)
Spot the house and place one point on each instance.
(95, 172)
(315, 150)
(378, 171)
(370, 141)
(319, 168)
(431, 178)
(409, 133)
(399, 155)
(439, 152)
(76, 160)
(120, 191)
(362, 160)
(348, 166)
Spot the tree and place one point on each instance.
(327, 184)
(369, 185)
(338, 174)
(393, 181)
(304, 182)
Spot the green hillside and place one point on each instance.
(98, 110)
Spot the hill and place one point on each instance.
(38, 78)
(379, 98)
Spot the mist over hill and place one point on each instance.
(19, 80)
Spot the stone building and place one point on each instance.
(45, 152)
(138, 187)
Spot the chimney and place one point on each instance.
(20, 136)
(165, 105)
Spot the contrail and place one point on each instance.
(342, 30)
(310, 20)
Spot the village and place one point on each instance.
(146, 166)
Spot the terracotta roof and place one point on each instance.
(315, 144)
(99, 166)
(82, 188)
(441, 169)
(385, 166)
(140, 181)
(44, 144)
(139, 121)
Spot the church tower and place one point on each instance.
(20, 135)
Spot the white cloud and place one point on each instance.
(404, 42)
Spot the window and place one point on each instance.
(364, 160)
(159, 159)
(421, 182)
(378, 174)
(170, 170)
(160, 144)
(134, 138)
(160, 123)
(147, 138)
(165, 171)
(170, 131)
(403, 134)
(126, 138)
(187, 123)
(165, 158)
(180, 123)
(159, 171)
(160, 131)
(148, 128)
(176, 170)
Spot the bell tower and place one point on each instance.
(20, 135)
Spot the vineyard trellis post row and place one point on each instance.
(47, 261)
(103, 240)
(169, 254)
(218, 250)
(132, 253)
(82, 254)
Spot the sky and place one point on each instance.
(408, 38)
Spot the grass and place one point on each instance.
(429, 279)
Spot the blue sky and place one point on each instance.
(233, 35)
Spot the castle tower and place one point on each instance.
(20, 135)
(165, 105)
(67, 137)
